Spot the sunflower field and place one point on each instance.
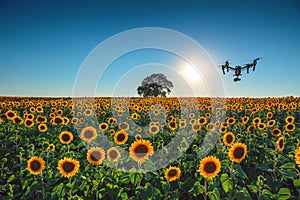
(149, 148)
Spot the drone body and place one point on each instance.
(238, 69)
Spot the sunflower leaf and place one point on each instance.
(241, 171)
(226, 183)
(288, 165)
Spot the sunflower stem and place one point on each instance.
(205, 189)
(43, 187)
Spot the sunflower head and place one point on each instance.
(65, 137)
(297, 156)
(172, 173)
(113, 154)
(237, 152)
(51, 147)
(29, 123)
(228, 138)
(103, 126)
(276, 132)
(120, 137)
(280, 144)
(95, 155)
(88, 134)
(68, 167)
(290, 127)
(42, 127)
(210, 167)
(140, 150)
(35, 165)
(154, 129)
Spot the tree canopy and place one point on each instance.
(155, 85)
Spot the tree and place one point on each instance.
(155, 85)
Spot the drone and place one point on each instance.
(238, 69)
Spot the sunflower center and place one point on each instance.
(95, 156)
(28, 122)
(10, 114)
(141, 150)
(58, 120)
(281, 143)
(113, 154)
(153, 129)
(172, 173)
(103, 126)
(68, 167)
(35, 165)
(210, 167)
(88, 134)
(229, 138)
(290, 127)
(239, 152)
(65, 137)
(121, 137)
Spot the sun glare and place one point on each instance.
(190, 73)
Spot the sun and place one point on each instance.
(190, 73)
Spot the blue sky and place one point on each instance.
(44, 43)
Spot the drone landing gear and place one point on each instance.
(236, 79)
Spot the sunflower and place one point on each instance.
(40, 119)
(237, 152)
(75, 120)
(280, 143)
(172, 125)
(10, 115)
(210, 127)
(228, 138)
(269, 115)
(42, 127)
(261, 126)
(18, 120)
(276, 132)
(290, 127)
(223, 129)
(65, 137)
(231, 120)
(138, 137)
(121, 137)
(297, 156)
(256, 120)
(124, 126)
(271, 123)
(95, 155)
(112, 131)
(113, 154)
(103, 126)
(154, 129)
(88, 134)
(182, 123)
(51, 147)
(35, 165)
(251, 128)
(172, 173)
(28, 123)
(289, 119)
(140, 150)
(245, 119)
(202, 120)
(30, 116)
(57, 120)
(210, 167)
(68, 167)
(196, 127)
